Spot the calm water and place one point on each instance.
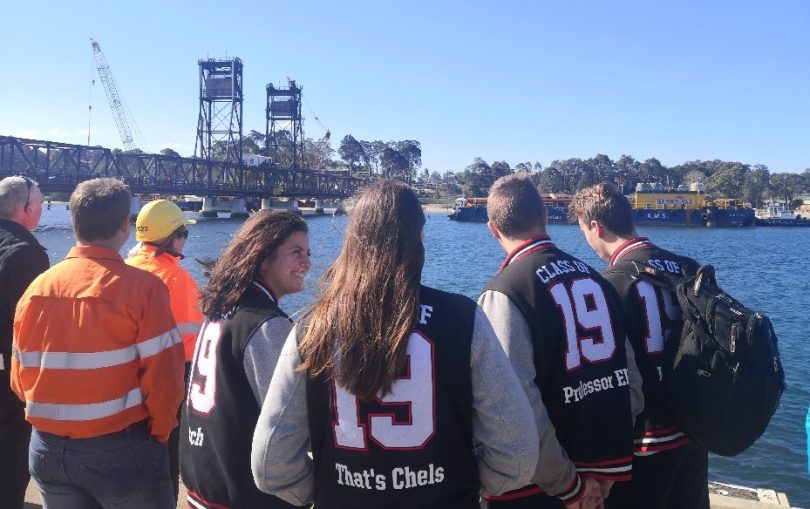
(763, 267)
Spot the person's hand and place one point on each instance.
(605, 486)
(591, 495)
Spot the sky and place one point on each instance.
(509, 80)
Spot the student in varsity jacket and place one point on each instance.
(400, 391)
(234, 358)
(669, 471)
(560, 324)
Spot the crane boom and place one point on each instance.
(110, 89)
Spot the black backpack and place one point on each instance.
(723, 379)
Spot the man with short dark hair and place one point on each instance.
(560, 323)
(99, 363)
(669, 471)
(22, 259)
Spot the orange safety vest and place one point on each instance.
(96, 349)
(183, 293)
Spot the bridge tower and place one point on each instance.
(284, 134)
(219, 125)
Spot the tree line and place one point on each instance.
(720, 179)
(402, 159)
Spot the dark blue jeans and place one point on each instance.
(123, 470)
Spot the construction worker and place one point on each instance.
(98, 361)
(160, 230)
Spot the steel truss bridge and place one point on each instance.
(59, 167)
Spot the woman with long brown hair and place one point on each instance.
(235, 355)
(401, 392)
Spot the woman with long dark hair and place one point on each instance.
(401, 392)
(235, 356)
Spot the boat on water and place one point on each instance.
(654, 205)
(557, 207)
(474, 210)
(778, 214)
(471, 210)
(190, 202)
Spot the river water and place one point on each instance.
(763, 267)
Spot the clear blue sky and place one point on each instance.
(509, 80)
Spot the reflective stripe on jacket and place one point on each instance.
(96, 349)
(183, 293)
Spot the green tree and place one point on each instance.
(694, 177)
(249, 146)
(395, 165)
(351, 151)
(786, 186)
(373, 151)
(317, 154)
(652, 170)
(499, 169)
(755, 183)
(478, 178)
(551, 181)
(259, 140)
(627, 172)
(727, 181)
(166, 151)
(411, 150)
(603, 169)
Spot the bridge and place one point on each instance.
(59, 167)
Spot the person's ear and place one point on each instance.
(600, 230)
(493, 230)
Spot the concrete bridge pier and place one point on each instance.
(209, 207)
(134, 208)
(292, 206)
(334, 207)
(239, 208)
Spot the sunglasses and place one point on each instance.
(28, 184)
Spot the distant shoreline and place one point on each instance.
(436, 207)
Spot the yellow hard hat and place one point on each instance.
(158, 219)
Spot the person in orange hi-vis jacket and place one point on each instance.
(98, 360)
(160, 230)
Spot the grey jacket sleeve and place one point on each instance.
(261, 354)
(634, 376)
(502, 419)
(279, 460)
(555, 472)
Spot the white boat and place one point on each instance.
(777, 211)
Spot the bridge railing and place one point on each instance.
(61, 166)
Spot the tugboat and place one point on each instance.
(472, 210)
(778, 214)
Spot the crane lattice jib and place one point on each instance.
(113, 98)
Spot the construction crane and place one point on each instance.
(113, 97)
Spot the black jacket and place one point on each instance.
(22, 259)
(650, 315)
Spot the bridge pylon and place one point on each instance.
(284, 131)
(219, 123)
